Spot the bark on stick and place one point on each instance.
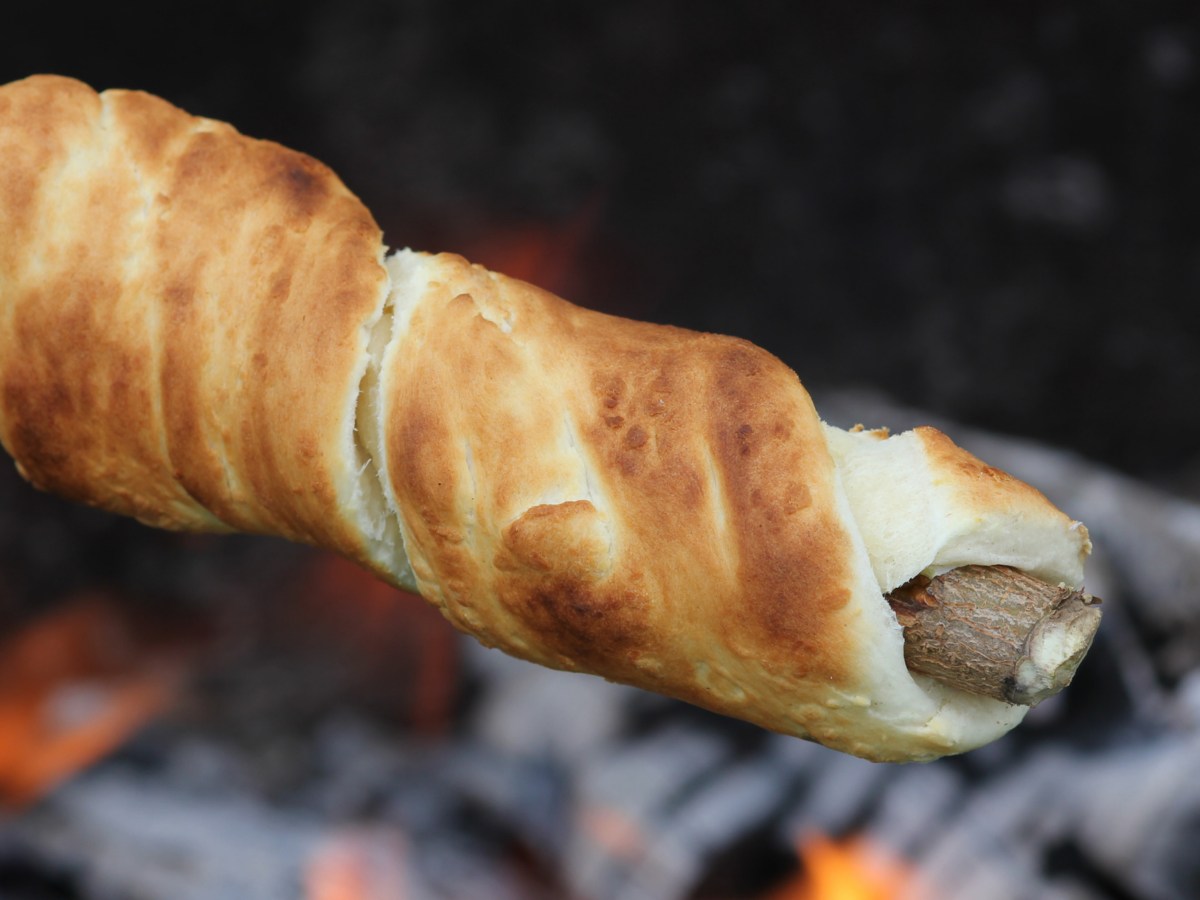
(996, 631)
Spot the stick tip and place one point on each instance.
(1054, 649)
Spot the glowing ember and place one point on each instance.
(547, 255)
(399, 654)
(73, 685)
(618, 834)
(359, 864)
(852, 869)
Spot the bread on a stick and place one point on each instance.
(204, 331)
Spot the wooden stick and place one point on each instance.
(996, 631)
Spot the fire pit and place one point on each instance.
(244, 718)
(988, 217)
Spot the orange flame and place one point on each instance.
(545, 254)
(851, 869)
(73, 685)
(403, 654)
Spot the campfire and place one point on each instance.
(212, 717)
(201, 718)
(854, 869)
(238, 717)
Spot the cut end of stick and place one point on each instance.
(995, 631)
(1054, 649)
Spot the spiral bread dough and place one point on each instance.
(206, 332)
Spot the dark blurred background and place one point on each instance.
(990, 213)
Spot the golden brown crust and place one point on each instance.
(977, 491)
(980, 485)
(638, 501)
(172, 349)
